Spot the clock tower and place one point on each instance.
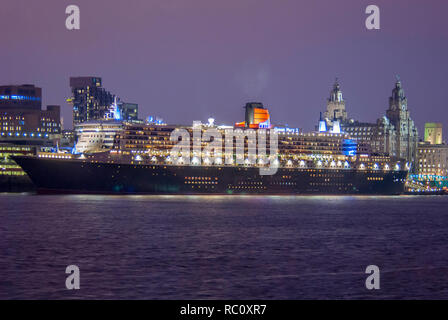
(336, 112)
(406, 131)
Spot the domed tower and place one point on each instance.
(398, 101)
(336, 105)
(406, 131)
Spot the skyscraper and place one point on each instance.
(89, 99)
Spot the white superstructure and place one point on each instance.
(97, 136)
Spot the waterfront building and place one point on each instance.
(380, 136)
(25, 96)
(394, 135)
(432, 153)
(376, 138)
(336, 111)
(22, 120)
(24, 128)
(12, 177)
(432, 159)
(90, 100)
(406, 132)
(433, 133)
(9, 167)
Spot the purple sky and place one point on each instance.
(186, 60)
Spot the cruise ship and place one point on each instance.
(141, 161)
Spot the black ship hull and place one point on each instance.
(16, 184)
(77, 176)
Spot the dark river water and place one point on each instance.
(223, 247)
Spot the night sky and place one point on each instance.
(186, 60)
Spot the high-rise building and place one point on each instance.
(433, 133)
(22, 121)
(90, 100)
(406, 131)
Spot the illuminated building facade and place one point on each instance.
(335, 107)
(89, 99)
(24, 127)
(406, 132)
(9, 167)
(12, 177)
(433, 133)
(22, 120)
(394, 134)
(432, 154)
(432, 159)
(25, 96)
(380, 136)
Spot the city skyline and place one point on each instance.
(160, 56)
(223, 154)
